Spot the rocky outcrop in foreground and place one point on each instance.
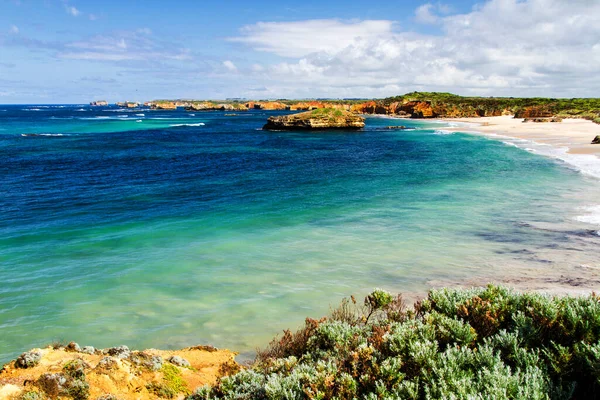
(75, 372)
(323, 118)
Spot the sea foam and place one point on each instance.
(587, 164)
(198, 124)
(591, 216)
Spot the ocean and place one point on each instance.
(168, 229)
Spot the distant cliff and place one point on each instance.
(414, 105)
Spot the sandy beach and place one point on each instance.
(573, 134)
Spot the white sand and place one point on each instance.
(574, 134)
(569, 140)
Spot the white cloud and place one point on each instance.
(230, 66)
(429, 13)
(14, 29)
(114, 47)
(423, 14)
(299, 39)
(72, 10)
(503, 47)
(92, 17)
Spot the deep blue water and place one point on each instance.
(169, 228)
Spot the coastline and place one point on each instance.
(569, 140)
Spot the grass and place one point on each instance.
(456, 344)
(172, 383)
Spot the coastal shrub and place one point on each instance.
(28, 359)
(31, 395)
(456, 344)
(171, 385)
(173, 380)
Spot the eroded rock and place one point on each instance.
(323, 118)
(179, 361)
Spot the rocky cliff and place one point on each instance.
(322, 118)
(74, 372)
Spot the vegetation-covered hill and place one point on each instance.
(448, 105)
(487, 343)
(420, 105)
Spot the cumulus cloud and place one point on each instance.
(14, 29)
(429, 13)
(502, 47)
(425, 15)
(230, 66)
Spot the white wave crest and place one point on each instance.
(442, 132)
(140, 115)
(42, 134)
(587, 164)
(591, 216)
(198, 124)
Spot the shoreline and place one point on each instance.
(575, 134)
(569, 140)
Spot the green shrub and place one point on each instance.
(456, 344)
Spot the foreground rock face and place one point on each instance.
(323, 118)
(71, 373)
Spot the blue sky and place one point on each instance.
(69, 51)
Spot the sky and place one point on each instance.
(76, 51)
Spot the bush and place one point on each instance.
(462, 344)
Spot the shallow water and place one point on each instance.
(159, 234)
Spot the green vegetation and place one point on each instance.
(587, 108)
(489, 343)
(330, 113)
(171, 385)
(77, 386)
(31, 395)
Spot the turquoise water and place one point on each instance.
(200, 228)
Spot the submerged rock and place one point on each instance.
(596, 140)
(400, 127)
(323, 118)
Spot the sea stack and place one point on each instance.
(322, 118)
